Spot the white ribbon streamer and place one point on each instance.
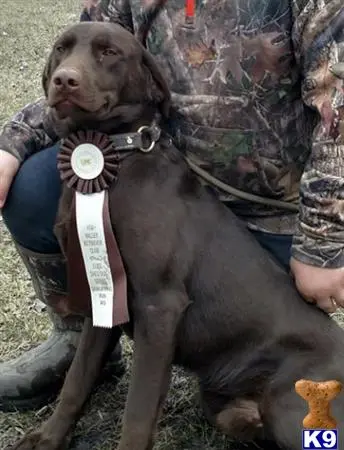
(89, 220)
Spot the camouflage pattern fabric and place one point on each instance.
(258, 101)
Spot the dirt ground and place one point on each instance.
(27, 30)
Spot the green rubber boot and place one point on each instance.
(35, 378)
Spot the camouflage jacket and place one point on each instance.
(258, 100)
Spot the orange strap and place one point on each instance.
(190, 9)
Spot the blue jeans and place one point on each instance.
(31, 208)
(279, 245)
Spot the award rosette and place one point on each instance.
(88, 164)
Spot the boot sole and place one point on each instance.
(7, 405)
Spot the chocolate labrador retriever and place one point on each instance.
(202, 293)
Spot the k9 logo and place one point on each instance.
(319, 439)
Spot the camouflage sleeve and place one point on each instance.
(319, 45)
(29, 131)
(118, 11)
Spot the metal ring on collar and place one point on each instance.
(146, 129)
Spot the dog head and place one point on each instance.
(98, 72)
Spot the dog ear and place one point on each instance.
(160, 81)
(46, 74)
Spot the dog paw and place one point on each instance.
(241, 420)
(35, 441)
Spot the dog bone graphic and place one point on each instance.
(318, 395)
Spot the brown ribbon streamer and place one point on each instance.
(120, 306)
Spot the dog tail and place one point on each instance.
(149, 15)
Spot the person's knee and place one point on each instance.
(31, 205)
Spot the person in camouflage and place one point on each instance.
(258, 102)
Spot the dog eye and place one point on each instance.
(109, 52)
(60, 49)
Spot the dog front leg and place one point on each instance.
(154, 345)
(89, 359)
(86, 365)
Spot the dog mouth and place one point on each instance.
(68, 106)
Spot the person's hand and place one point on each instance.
(88, 4)
(9, 166)
(322, 286)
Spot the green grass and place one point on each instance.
(27, 31)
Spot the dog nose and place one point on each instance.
(67, 78)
